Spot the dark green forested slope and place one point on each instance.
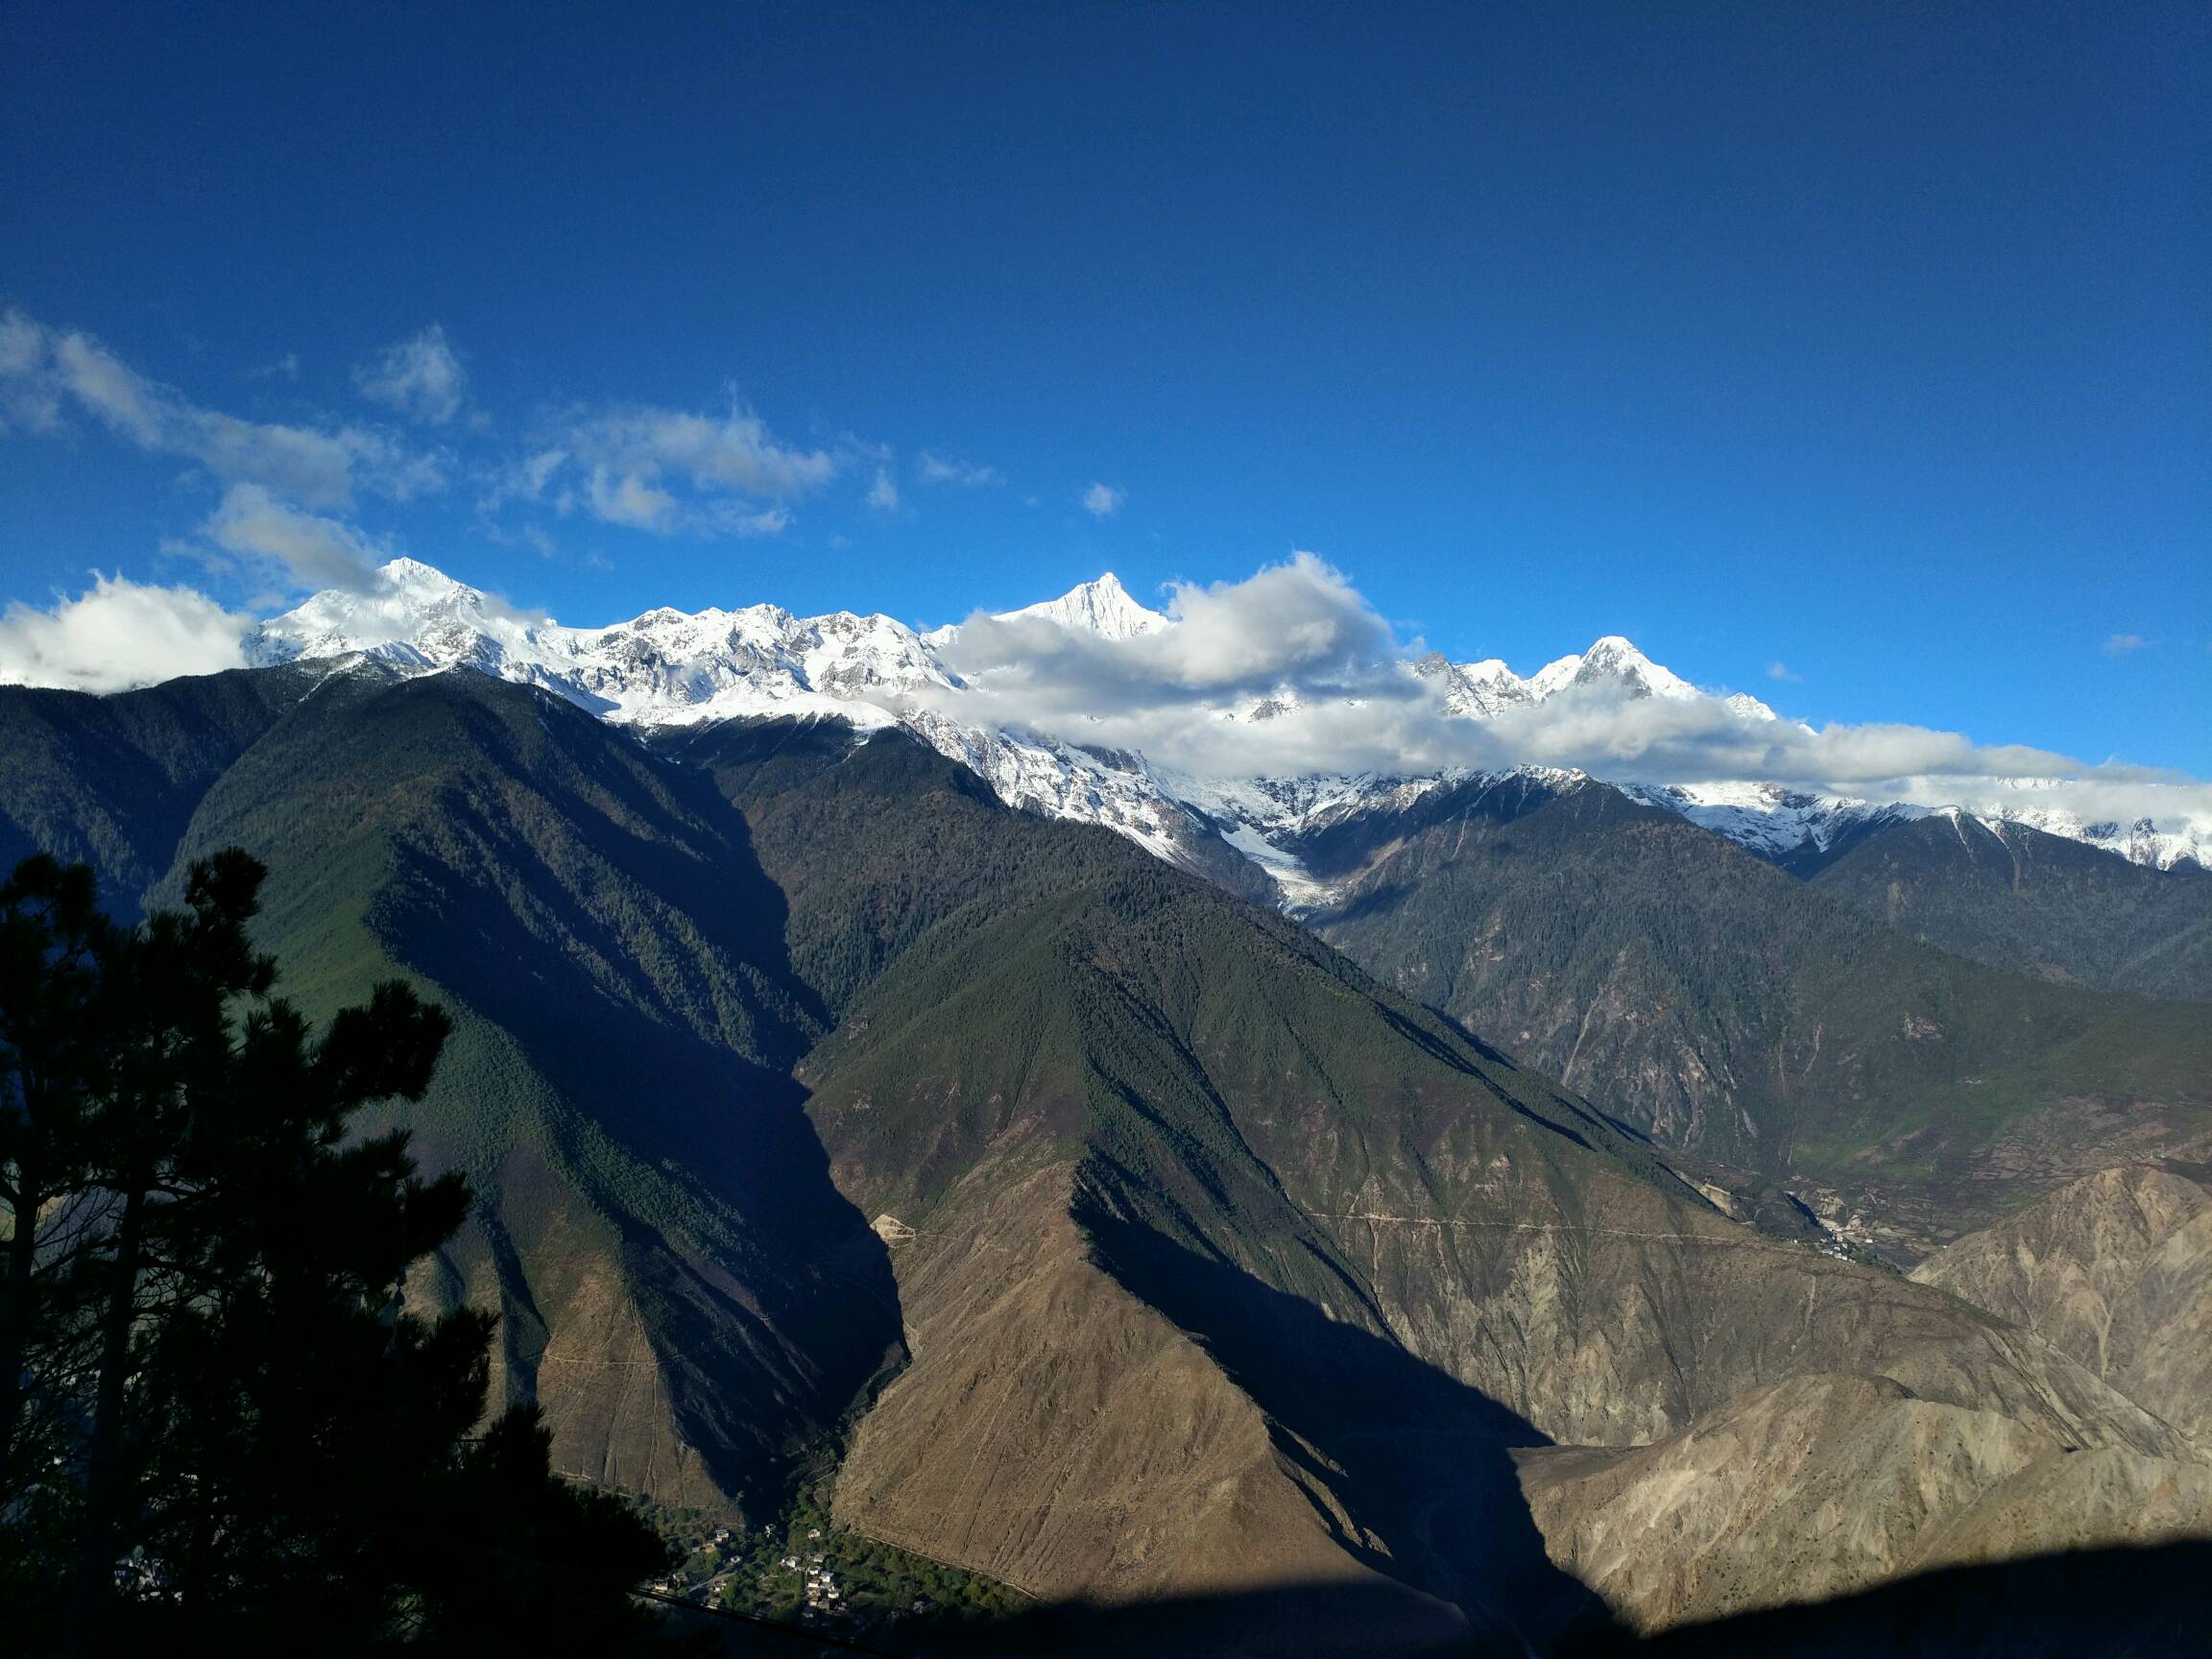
(2018, 899)
(1733, 1010)
(113, 780)
(955, 929)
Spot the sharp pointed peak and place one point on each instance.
(412, 576)
(1613, 647)
(1100, 606)
(404, 567)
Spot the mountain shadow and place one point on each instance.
(1421, 1459)
(1286, 1622)
(704, 1134)
(2143, 1604)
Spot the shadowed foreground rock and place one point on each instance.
(2115, 1604)
(1826, 1485)
(1293, 1622)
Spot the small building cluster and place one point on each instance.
(822, 1592)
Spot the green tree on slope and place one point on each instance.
(218, 1422)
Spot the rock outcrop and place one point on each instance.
(2114, 1271)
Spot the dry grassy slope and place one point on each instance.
(573, 1336)
(2115, 1271)
(1631, 1320)
(1827, 1484)
(1059, 1434)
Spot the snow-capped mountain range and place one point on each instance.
(669, 668)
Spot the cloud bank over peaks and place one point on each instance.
(283, 547)
(1288, 675)
(1292, 673)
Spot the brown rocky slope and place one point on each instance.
(1222, 1267)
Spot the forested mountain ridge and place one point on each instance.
(2013, 897)
(113, 780)
(1730, 1009)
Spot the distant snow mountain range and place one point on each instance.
(669, 668)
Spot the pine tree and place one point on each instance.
(224, 1427)
(51, 940)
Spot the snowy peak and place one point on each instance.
(1748, 707)
(1476, 690)
(665, 667)
(1102, 606)
(423, 582)
(1611, 665)
(410, 614)
(1781, 824)
(671, 667)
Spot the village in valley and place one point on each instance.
(808, 1571)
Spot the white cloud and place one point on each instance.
(1103, 501)
(308, 550)
(733, 451)
(670, 471)
(1299, 624)
(538, 471)
(2120, 644)
(883, 494)
(732, 520)
(419, 376)
(30, 400)
(1781, 671)
(628, 500)
(637, 502)
(531, 479)
(118, 634)
(47, 373)
(937, 469)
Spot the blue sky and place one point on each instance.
(1868, 340)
